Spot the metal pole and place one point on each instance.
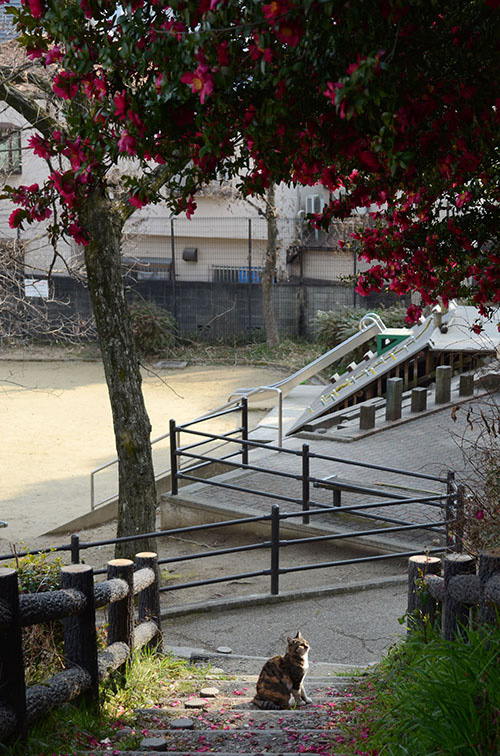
(280, 417)
(244, 430)
(305, 483)
(275, 550)
(450, 510)
(75, 549)
(250, 278)
(174, 489)
(172, 269)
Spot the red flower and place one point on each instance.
(479, 514)
(39, 146)
(136, 201)
(120, 100)
(65, 85)
(477, 328)
(127, 143)
(36, 8)
(290, 34)
(16, 217)
(79, 235)
(201, 81)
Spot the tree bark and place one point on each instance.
(137, 489)
(271, 326)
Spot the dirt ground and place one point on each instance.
(56, 428)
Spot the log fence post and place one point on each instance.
(80, 636)
(149, 598)
(455, 614)
(121, 613)
(489, 565)
(12, 682)
(420, 602)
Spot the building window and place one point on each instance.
(10, 148)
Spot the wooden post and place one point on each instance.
(420, 603)
(80, 637)
(149, 598)
(121, 613)
(443, 384)
(489, 564)
(366, 416)
(12, 684)
(455, 615)
(419, 399)
(393, 399)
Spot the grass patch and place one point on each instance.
(431, 697)
(151, 681)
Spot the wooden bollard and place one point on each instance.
(455, 615)
(80, 637)
(443, 384)
(419, 399)
(149, 598)
(394, 398)
(366, 416)
(420, 603)
(12, 683)
(121, 613)
(489, 565)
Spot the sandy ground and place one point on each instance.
(56, 428)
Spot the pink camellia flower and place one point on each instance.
(65, 185)
(16, 217)
(78, 234)
(120, 100)
(136, 201)
(201, 81)
(39, 146)
(290, 34)
(53, 55)
(65, 85)
(479, 514)
(36, 8)
(127, 143)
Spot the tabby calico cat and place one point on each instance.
(282, 676)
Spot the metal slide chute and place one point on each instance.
(370, 325)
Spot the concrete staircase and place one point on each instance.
(216, 716)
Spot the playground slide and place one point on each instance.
(266, 393)
(362, 374)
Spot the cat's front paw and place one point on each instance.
(307, 700)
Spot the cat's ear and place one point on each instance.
(298, 635)
(288, 639)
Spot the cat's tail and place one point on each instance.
(265, 703)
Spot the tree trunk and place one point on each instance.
(271, 326)
(137, 489)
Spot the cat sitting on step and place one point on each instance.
(283, 676)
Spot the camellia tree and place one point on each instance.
(392, 105)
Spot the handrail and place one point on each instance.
(260, 389)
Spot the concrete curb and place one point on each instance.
(203, 654)
(247, 602)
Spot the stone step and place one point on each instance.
(278, 740)
(182, 753)
(307, 716)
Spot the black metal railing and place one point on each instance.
(274, 545)
(446, 500)
(448, 504)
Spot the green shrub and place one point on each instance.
(154, 329)
(433, 697)
(43, 643)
